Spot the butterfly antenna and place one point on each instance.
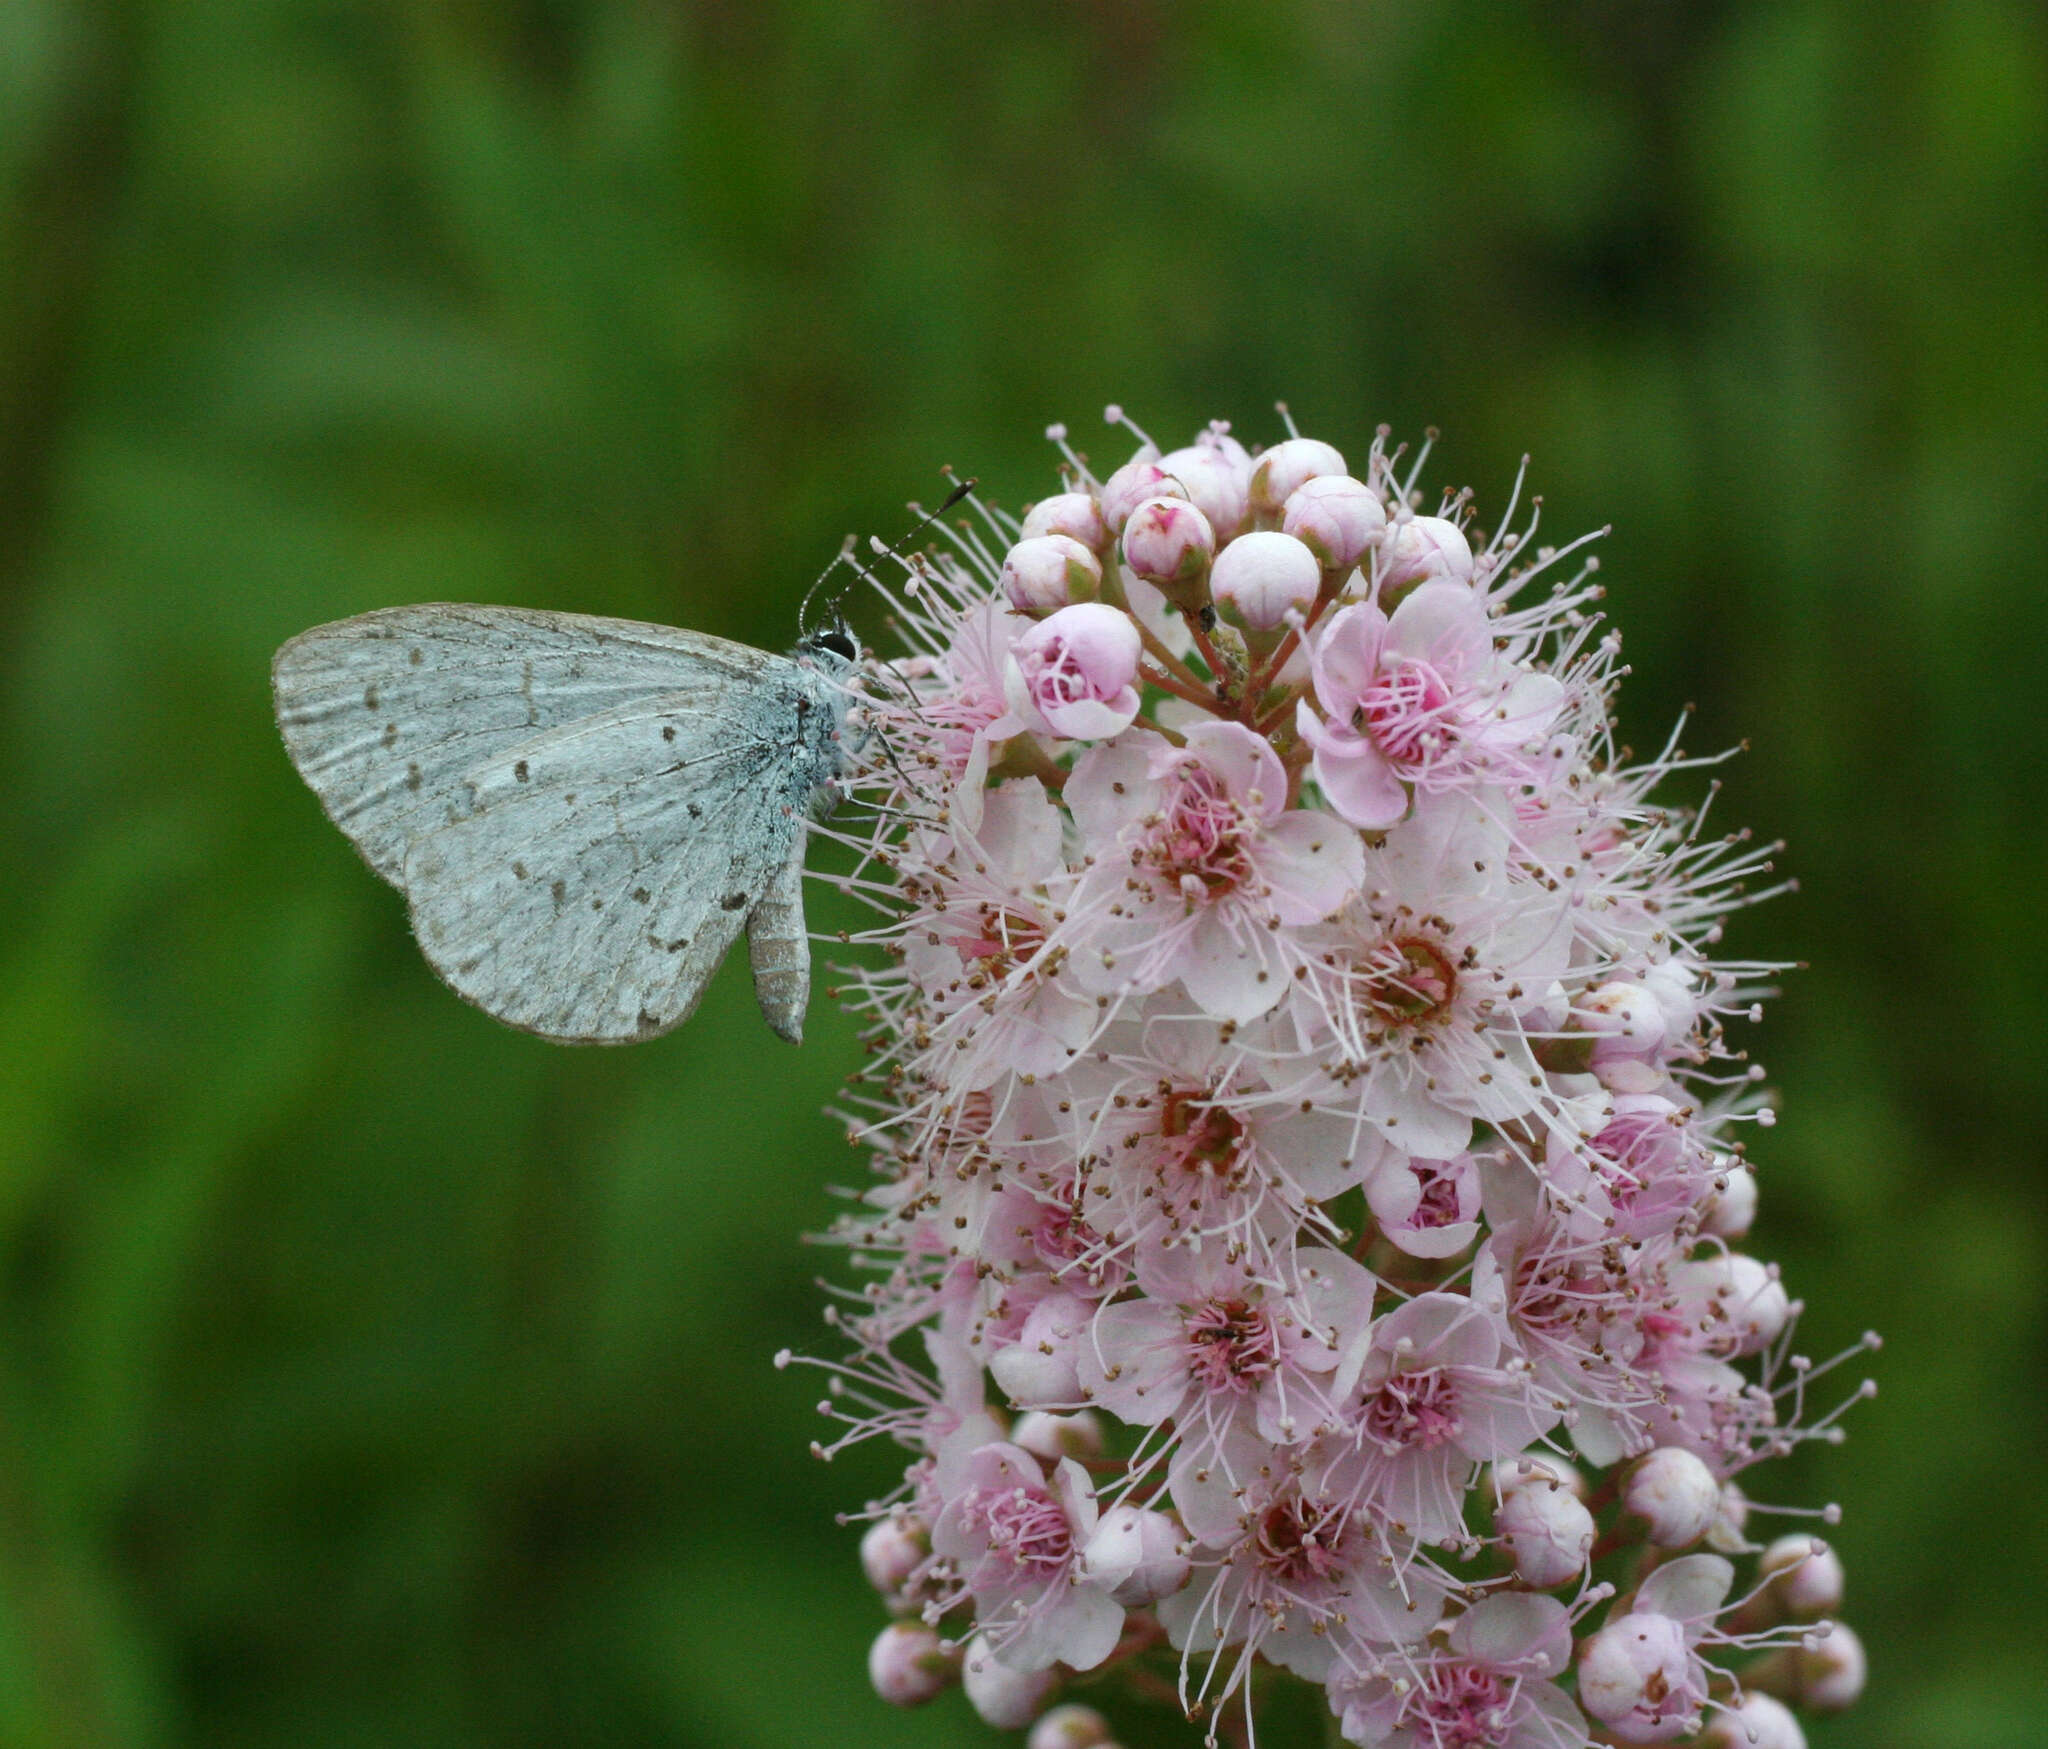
(803, 613)
(924, 521)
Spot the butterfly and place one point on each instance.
(582, 813)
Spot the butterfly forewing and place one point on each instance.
(383, 714)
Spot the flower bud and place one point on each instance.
(1809, 1577)
(1284, 469)
(1216, 487)
(1005, 1698)
(1070, 1727)
(1260, 577)
(1169, 543)
(1637, 1664)
(1549, 1532)
(1139, 1553)
(1046, 572)
(1831, 1670)
(1758, 1723)
(907, 1666)
(1053, 1437)
(1733, 1210)
(1754, 1301)
(892, 1549)
(1131, 485)
(1675, 1494)
(1337, 518)
(1039, 1366)
(1422, 547)
(1073, 514)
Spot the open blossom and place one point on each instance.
(1305, 1103)
(1419, 699)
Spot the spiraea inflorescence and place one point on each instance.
(1307, 1127)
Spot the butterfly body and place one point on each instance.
(583, 813)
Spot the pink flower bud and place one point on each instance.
(1337, 518)
(1046, 572)
(1131, 485)
(1073, 514)
(1675, 1494)
(1809, 1579)
(1216, 487)
(1832, 1667)
(1070, 1727)
(1139, 1553)
(1005, 1698)
(1423, 547)
(1169, 543)
(1259, 577)
(1076, 670)
(1285, 468)
(892, 1549)
(1549, 1532)
(1635, 1675)
(1733, 1210)
(1056, 1436)
(1758, 1723)
(907, 1666)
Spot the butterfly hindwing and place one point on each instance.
(597, 874)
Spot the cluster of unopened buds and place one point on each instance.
(1305, 1120)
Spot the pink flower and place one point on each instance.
(1434, 1399)
(1017, 1538)
(1261, 578)
(1217, 1349)
(1200, 868)
(1419, 700)
(1075, 669)
(1487, 1690)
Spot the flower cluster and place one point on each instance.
(1305, 1125)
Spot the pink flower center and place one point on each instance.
(1296, 1541)
(1055, 674)
(1198, 845)
(1458, 1706)
(1205, 1137)
(1024, 1527)
(1008, 939)
(1439, 1204)
(1231, 1345)
(1414, 1409)
(1410, 982)
(1410, 714)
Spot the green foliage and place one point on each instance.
(372, 1375)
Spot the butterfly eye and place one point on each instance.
(838, 640)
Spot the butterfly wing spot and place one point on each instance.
(370, 696)
(641, 896)
(668, 731)
(412, 776)
(560, 891)
(416, 656)
(519, 772)
(519, 871)
(675, 946)
(391, 734)
(733, 902)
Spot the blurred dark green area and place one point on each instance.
(372, 1375)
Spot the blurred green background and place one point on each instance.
(371, 1375)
